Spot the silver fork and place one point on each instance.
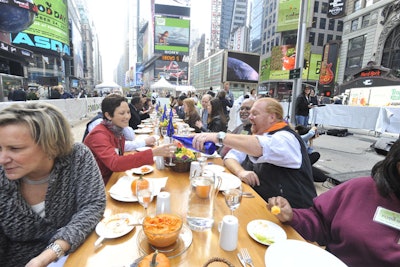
(246, 256)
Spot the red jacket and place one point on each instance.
(104, 146)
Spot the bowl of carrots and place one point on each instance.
(162, 230)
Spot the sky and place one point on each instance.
(112, 37)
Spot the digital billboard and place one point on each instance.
(242, 67)
(289, 14)
(283, 59)
(172, 71)
(171, 34)
(179, 8)
(49, 31)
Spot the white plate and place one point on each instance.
(144, 148)
(214, 168)
(144, 131)
(229, 181)
(215, 155)
(121, 190)
(266, 232)
(115, 225)
(140, 169)
(302, 254)
(190, 129)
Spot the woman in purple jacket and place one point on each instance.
(358, 221)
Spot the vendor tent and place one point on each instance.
(162, 84)
(108, 87)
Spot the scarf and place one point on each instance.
(116, 130)
(276, 126)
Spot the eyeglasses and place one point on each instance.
(245, 108)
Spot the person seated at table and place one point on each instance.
(308, 134)
(147, 108)
(51, 192)
(179, 107)
(135, 107)
(131, 142)
(244, 127)
(107, 142)
(205, 101)
(346, 220)
(273, 160)
(217, 120)
(191, 114)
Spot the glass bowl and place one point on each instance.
(162, 230)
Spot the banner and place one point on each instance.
(329, 62)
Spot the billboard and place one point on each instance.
(171, 34)
(173, 8)
(289, 13)
(327, 75)
(283, 59)
(172, 71)
(49, 31)
(242, 67)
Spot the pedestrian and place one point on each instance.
(51, 192)
(357, 221)
(302, 107)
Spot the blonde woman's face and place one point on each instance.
(20, 156)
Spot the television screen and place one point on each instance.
(242, 67)
(172, 34)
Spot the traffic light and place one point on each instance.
(327, 93)
(306, 64)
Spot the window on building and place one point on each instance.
(331, 25)
(324, 8)
(329, 37)
(316, 6)
(314, 22)
(273, 18)
(365, 20)
(353, 62)
(357, 5)
(322, 23)
(338, 37)
(265, 23)
(354, 25)
(311, 38)
(277, 41)
(356, 43)
(369, 3)
(268, 47)
(265, 36)
(339, 27)
(320, 41)
(263, 49)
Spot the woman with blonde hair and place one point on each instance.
(191, 114)
(51, 192)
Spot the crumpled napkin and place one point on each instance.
(122, 187)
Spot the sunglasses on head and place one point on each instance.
(245, 108)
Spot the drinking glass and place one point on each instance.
(144, 191)
(172, 148)
(233, 197)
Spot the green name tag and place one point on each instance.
(387, 217)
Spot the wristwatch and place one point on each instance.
(221, 136)
(57, 249)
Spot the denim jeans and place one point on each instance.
(301, 120)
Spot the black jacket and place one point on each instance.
(135, 117)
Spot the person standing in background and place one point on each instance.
(229, 94)
(302, 108)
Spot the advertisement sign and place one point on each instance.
(171, 34)
(172, 71)
(49, 31)
(242, 67)
(336, 9)
(283, 59)
(139, 74)
(328, 66)
(179, 8)
(288, 15)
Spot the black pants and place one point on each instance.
(318, 175)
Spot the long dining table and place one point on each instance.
(124, 250)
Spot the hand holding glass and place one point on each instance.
(172, 148)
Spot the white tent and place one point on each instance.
(108, 87)
(162, 84)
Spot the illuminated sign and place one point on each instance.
(171, 57)
(171, 34)
(49, 31)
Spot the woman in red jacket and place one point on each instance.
(107, 142)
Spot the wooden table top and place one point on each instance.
(124, 250)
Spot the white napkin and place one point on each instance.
(123, 186)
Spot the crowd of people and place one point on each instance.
(42, 169)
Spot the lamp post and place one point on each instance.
(301, 40)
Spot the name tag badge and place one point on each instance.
(387, 217)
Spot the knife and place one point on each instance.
(241, 260)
